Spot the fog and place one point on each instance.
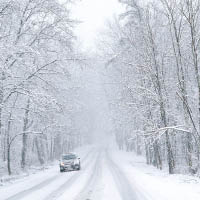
(93, 14)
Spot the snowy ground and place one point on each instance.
(153, 184)
(106, 174)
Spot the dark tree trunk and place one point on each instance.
(8, 157)
(25, 136)
(39, 150)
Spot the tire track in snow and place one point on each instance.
(90, 190)
(124, 187)
(58, 192)
(45, 183)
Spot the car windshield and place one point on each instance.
(68, 157)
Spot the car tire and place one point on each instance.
(61, 170)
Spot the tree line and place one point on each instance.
(152, 54)
(39, 90)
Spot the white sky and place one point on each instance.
(93, 13)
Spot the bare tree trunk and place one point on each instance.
(9, 144)
(2, 137)
(51, 148)
(8, 137)
(8, 160)
(39, 150)
(25, 136)
(157, 156)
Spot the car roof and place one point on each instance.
(68, 154)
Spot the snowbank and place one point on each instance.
(155, 184)
(6, 179)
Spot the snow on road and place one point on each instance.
(127, 192)
(34, 182)
(106, 174)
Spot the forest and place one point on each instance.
(40, 83)
(149, 57)
(152, 52)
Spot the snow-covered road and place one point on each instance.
(105, 175)
(98, 170)
(127, 192)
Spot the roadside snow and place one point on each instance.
(106, 174)
(27, 182)
(155, 184)
(6, 179)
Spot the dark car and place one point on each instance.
(69, 162)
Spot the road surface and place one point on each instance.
(99, 178)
